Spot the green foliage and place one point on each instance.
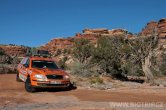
(114, 55)
(15, 60)
(69, 51)
(140, 47)
(96, 80)
(58, 52)
(82, 50)
(65, 51)
(75, 68)
(2, 52)
(162, 68)
(80, 69)
(62, 63)
(4, 58)
(108, 54)
(131, 69)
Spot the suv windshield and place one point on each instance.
(44, 64)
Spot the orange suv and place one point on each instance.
(39, 71)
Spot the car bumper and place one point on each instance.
(63, 84)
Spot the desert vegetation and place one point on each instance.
(8, 64)
(118, 57)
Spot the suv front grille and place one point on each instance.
(54, 76)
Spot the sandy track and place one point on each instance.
(13, 96)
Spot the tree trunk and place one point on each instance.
(146, 68)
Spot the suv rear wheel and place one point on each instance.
(28, 86)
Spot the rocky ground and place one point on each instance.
(141, 97)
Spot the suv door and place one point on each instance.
(23, 68)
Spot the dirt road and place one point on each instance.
(14, 97)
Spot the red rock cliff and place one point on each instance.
(14, 50)
(158, 28)
(155, 27)
(91, 34)
(162, 28)
(150, 28)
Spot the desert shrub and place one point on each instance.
(82, 50)
(6, 68)
(82, 70)
(82, 53)
(96, 80)
(141, 52)
(69, 51)
(131, 69)
(115, 56)
(15, 60)
(162, 68)
(2, 52)
(107, 55)
(58, 52)
(62, 63)
(64, 51)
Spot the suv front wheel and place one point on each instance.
(28, 86)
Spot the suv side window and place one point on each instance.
(24, 60)
(27, 62)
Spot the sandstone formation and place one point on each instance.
(58, 43)
(91, 37)
(96, 31)
(153, 27)
(91, 34)
(117, 32)
(156, 28)
(149, 29)
(162, 28)
(104, 31)
(162, 32)
(13, 50)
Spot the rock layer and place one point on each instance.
(91, 34)
(14, 50)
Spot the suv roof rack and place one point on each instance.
(36, 52)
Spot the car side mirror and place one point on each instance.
(26, 65)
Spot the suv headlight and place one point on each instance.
(40, 77)
(66, 77)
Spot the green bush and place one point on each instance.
(82, 53)
(115, 56)
(62, 63)
(96, 80)
(108, 56)
(2, 52)
(162, 68)
(58, 52)
(82, 70)
(131, 69)
(82, 50)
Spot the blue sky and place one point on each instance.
(35, 22)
